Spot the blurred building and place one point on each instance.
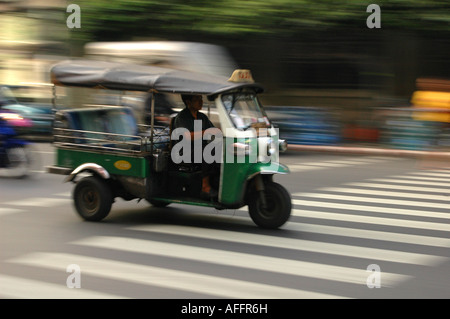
(33, 35)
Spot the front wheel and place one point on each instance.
(277, 208)
(92, 198)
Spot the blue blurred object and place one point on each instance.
(15, 156)
(403, 132)
(306, 125)
(14, 120)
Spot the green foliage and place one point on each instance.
(127, 19)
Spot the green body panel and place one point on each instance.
(236, 173)
(235, 176)
(115, 164)
(186, 201)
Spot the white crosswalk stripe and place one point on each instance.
(416, 189)
(40, 202)
(428, 178)
(7, 211)
(375, 200)
(366, 219)
(400, 180)
(20, 288)
(236, 259)
(352, 214)
(168, 278)
(347, 162)
(379, 210)
(433, 174)
(445, 198)
(361, 233)
(299, 244)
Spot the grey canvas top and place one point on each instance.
(121, 76)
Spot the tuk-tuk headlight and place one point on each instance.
(282, 145)
(271, 150)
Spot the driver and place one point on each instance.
(185, 119)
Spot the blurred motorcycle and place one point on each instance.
(15, 153)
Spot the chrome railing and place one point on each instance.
(145, 142)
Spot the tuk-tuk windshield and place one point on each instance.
(244, 110)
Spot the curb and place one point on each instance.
(370, 151)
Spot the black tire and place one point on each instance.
(278, 208)
(92, 198)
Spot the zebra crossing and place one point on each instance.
(338, 163)
(400, 223)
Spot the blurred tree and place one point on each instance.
(125, 19)
(317, 44)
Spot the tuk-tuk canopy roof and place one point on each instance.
(132, 77)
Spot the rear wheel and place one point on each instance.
(92, 198)
(277, 208)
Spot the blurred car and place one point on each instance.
(305, 125)
(425, 123)
(14, 120)
(181, 55)
(39, 116)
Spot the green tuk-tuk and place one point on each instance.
(108, 155)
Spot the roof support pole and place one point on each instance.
(152, 121)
